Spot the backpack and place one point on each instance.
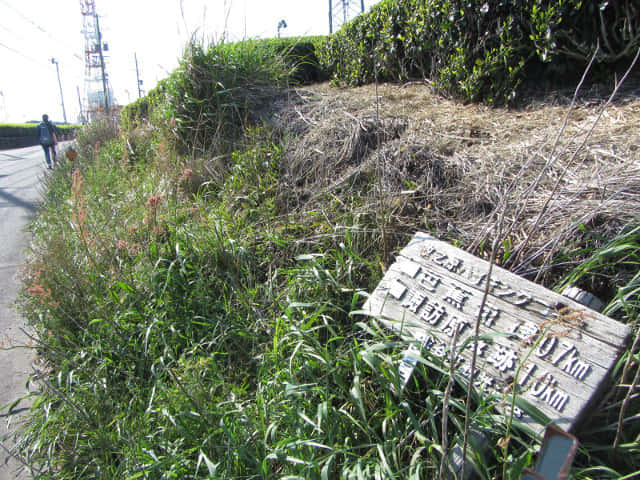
(45, 134)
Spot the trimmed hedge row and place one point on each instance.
(481, 50)
(29, 129)
(19, 135)
(17, 129)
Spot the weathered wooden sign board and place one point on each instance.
(555, 352)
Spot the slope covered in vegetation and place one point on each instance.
(193, 274)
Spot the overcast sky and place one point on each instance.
(32, 32)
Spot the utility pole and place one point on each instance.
(330, 16)
(80, 104)
(4, 106)
(64, 112)
(138, 76)
(282, 24)
(104, 76)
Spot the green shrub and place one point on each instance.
(18, 129)
(144, 109)
(25, 135)
(29, 129)
(480, 50)
(300, 57)
(207, 101)
(213, 91)
(90, 139)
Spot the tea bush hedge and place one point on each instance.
(143, 107)
(17, 129)
(18, 135)
(480, 50)
(29, 129)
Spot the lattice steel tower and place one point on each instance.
(98, 91)
(341, 11)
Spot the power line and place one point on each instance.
(24, 16)
(43, 30)
(37, 62)
(15, 35)
(22, 54)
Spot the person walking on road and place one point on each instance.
(47, 134)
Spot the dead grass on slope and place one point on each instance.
(427, 163)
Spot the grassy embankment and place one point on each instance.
(191, 291)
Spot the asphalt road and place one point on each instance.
(21, 173)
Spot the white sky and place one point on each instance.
(34, 31)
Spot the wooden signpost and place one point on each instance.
(552, 351)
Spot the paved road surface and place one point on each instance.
(20, 185)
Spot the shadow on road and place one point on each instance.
(18, 201)
(11, 157)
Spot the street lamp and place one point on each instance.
(64, 112)
(282, 24)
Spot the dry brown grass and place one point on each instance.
(448, 167)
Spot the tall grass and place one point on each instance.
(215, 90)
(196, 328)
(612, 267)
(188, 336)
